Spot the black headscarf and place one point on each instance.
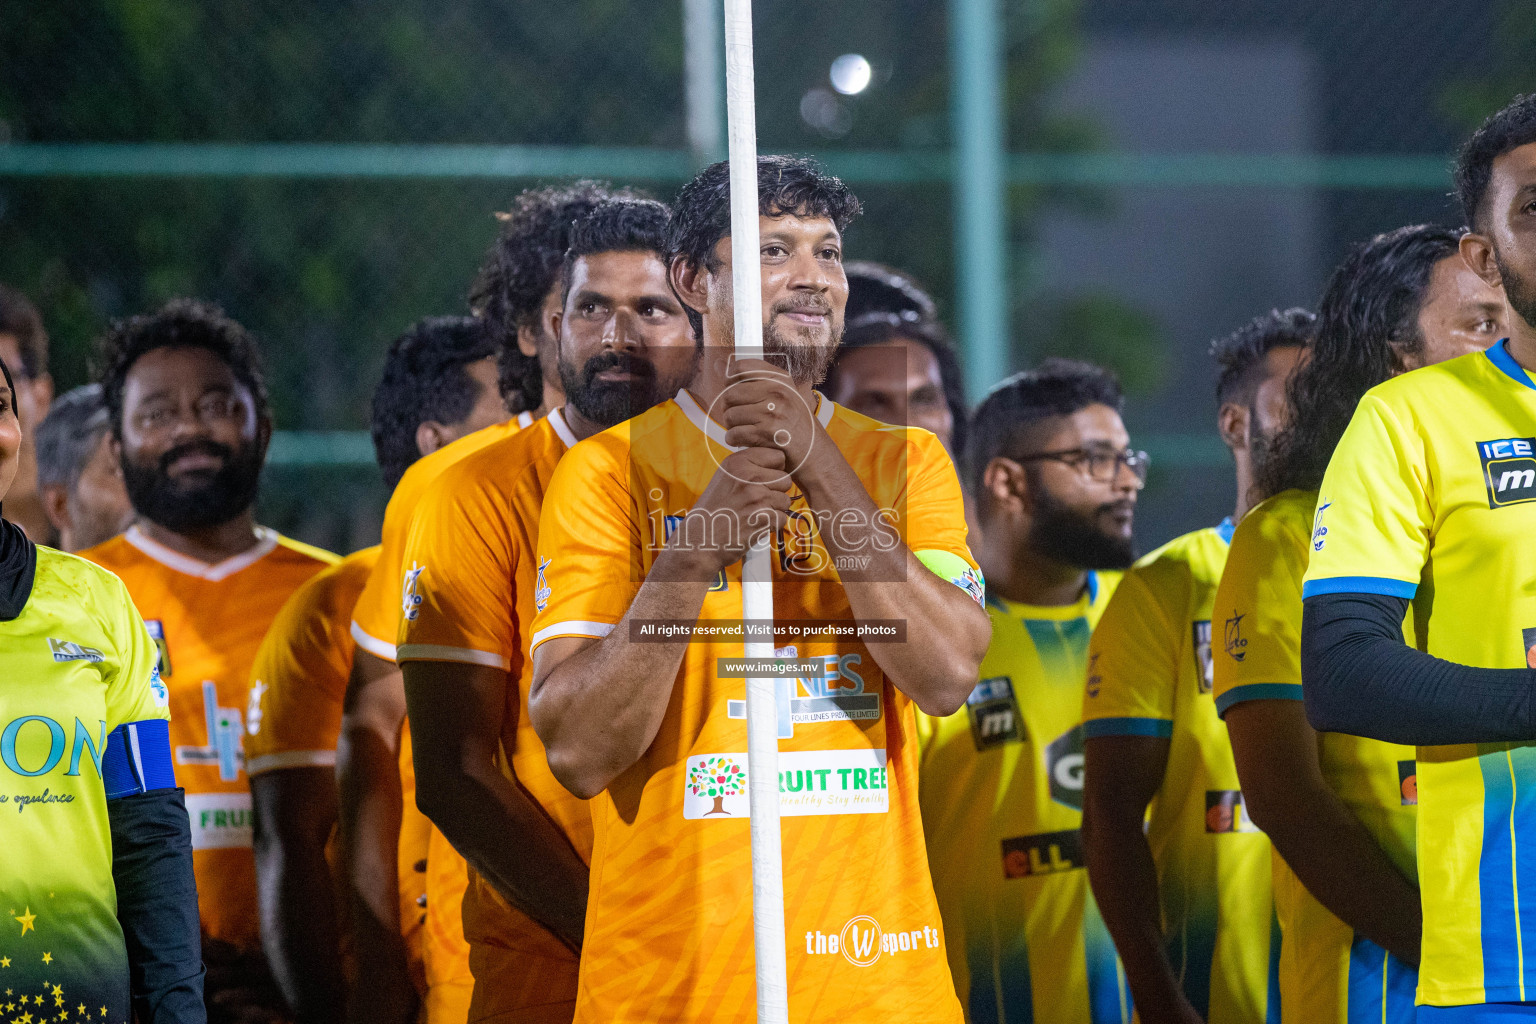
(18, 555)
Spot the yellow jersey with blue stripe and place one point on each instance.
(1150, 675)
(1327, 972)
(1001, 790)
(1431, 495)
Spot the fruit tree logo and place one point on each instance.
(717, 778)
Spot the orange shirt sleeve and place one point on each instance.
(299, 676)
(589, 544)
(460, 604)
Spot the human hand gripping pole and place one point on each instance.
(756, 570)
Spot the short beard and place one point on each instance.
(205, 501)
(1518, 292)
(805, 363)
(1064, 535)
(609, 403)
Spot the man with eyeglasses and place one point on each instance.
(1001, 784)
(187, 403)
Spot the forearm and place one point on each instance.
(1124, 880)
(598, 710)
(299, 930)
(946, 632)
(368, 780)
(157, 905)
(1360, 678)
(1326, 846)
(512, 843)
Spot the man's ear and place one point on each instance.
(56, 506)
(1005, 482)
(691, 283)
(1478, 252)
(1232, 422)
(432, 435)
(528, 341)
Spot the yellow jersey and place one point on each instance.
(1150, 675)
(208, 621)
(76, 664)
(1327, 972)
(1431, 495)
(669, 921)
(1002, 797)
(471, 572)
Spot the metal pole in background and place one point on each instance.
(981, 201)
(702, 92)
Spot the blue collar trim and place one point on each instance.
(1499, 356)
(1226, 529)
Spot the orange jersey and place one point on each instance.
(208, 621)
(298, 684)
(669, 922)
(375, 622)
(470, 599)
(376, 619)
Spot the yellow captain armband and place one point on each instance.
(949, 566)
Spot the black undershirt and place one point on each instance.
(18, 566)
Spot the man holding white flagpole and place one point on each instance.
(638, 649)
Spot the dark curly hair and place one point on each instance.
(877, 288)
(424, 379)
(1241, 353)
(1367, 322)
(520, 268)
(622, 224)
(884, 328)
(180, 323)
(701, 213)
(1504, 130)
(1057, 387)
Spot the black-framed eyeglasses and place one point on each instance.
(1101, 464)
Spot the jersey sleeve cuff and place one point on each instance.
(290, 759)
(574, 627)
(1159, 728)
(1382, 585)
(1257, 691)
(372, 644)
(442, 652)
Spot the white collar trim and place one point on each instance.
(525, 419)
(716, 433)
(563, 430)
(266, 542)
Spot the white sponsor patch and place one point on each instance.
(810, 782)
(220, 820)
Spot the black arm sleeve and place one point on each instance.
(157, 905)
(1359, 677)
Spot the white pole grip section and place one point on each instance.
(757, 567)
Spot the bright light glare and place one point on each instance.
(851, 74)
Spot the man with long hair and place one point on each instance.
(1338, 809)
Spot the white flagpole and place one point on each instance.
(756, 569)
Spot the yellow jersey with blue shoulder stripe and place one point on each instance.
(1431, 496)
(1001, 790)
(1327, 972)
(1150, 675)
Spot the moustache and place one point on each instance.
(628, 362)
(822, 308)
(1124, 506)
(201, 446)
